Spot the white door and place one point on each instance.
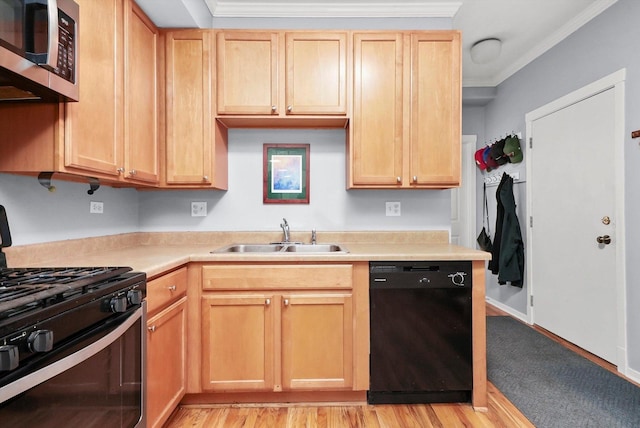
(572, 183)
(463, 202)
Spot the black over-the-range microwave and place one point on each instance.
(39, 50)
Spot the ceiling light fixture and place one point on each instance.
(486, 50)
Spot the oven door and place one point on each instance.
(95, 380)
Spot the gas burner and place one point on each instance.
(25, 288)
(48, 276)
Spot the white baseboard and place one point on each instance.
(516, 314)
(634, 375)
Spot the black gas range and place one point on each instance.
(42, 307)
(57, 320)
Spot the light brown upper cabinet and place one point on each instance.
(141, 115)
(406, 125)
(195, 154)
(281, 74)
(111, 133)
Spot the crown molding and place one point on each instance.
(443, 9)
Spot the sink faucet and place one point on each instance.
(313, 236)
(285, 229)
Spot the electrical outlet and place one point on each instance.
(392, 209)
(96, 207)
(198, 209)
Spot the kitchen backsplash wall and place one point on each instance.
(331, 206)
(36, 215)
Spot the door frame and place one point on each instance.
(467, 192)
(616, 82)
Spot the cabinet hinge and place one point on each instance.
(531, 142)
(530, 221)
(531, 303)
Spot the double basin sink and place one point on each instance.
(282, 248)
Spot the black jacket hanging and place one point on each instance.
(508, 247)
(511, 263)
(494, 263)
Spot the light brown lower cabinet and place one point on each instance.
(166, 345)
(277, 341)
(279, 327)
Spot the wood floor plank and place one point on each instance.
(387, 416)
(262, 417)
(408, 416)
(426, 415)
(370, 417)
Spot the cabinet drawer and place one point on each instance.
(282, 277)
(163, 290)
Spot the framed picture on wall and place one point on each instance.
(285, 174)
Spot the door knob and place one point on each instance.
(605, 239)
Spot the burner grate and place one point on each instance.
(35, 286)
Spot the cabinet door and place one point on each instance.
(189, 114)
(435, 109)
(166, 362)
(141, 94)
(237, 343)
(376, 145)
(317, 341)
(316, 73)
(247, 72)
(93, 126)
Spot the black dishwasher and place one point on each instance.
(420, 320)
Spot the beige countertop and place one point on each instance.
(155, 253)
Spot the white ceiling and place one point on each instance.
(527, 28)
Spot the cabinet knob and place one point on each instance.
(415, 178)
(133, 172)
(286, 302)
(205, 178)
(289, 109)
(152, 328)
(273, 109)
(120, 170)
(399, 180)
(267, 302)
(172, 288)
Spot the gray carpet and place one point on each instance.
(553, 386)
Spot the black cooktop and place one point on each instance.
(24, 289)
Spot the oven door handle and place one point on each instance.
(42, 375)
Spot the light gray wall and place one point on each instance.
(606, 44)
(331, 206)
(36, 215)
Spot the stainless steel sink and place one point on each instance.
(250, 248)
(282, 248)
(315, 248)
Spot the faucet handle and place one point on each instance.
(313, 236)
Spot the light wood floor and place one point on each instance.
(501, 412)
